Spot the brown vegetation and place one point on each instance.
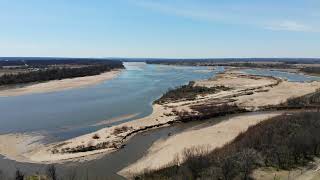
(312, 99)
(122, 129)
(27, 70)
(207, 111)
(283, 142)
(188, 92)
(311, 70)
(309, 101)
(95, 136)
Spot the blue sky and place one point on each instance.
(160, 28)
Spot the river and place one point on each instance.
(66, 114)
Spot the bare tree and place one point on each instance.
(229, 166)
(19, 175)
(248, 160)
(72, 174)
(51, 172)
(2, 175)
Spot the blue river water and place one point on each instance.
(70, 113)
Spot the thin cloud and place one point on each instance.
(290, 26)
(182, 11)
(225, 14)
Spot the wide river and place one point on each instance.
(71, 113)
(66, 114)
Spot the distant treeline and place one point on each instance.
(234, 64)
(231, 60)
(283, 142)
(42, 62)
(56, 74)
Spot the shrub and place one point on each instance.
(122, 129)
(313, 70)
(95, 136)
(188, 92)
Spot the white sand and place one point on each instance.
(58, 85)
(235, 79)
(164, 151)
(278, 94)
(38, 153)
(13, 146)
(262, 93)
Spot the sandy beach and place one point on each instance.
(38, 153)
(255, 92)
(13, 146)
(59, 85)
(164, 151)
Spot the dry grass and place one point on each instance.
(120, 130)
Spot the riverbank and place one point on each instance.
(13, 146)
(167, 150)
(59, 85)
(241, 92)
(281, 143)
(109, 139)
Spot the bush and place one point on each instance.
(312, 99)
(313, 70)
(119, 130)
(95, 136)
(188, 92)
(207, 111)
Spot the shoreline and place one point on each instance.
(112, 138)
(60, 85)
(40, 153)
(166, 150)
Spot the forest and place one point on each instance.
(47, 73)
(44, 62)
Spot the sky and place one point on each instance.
(160, 28)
